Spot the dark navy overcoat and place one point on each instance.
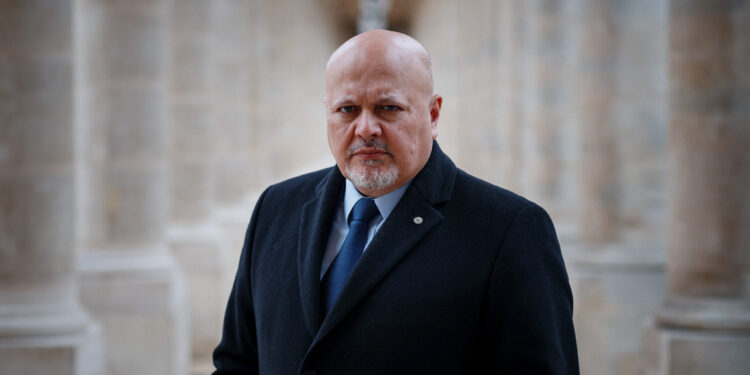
(477, 286)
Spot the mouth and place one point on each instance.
(369, 153)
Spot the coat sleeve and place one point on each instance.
(237, 353)
(528, 321)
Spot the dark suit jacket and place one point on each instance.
(478, 287)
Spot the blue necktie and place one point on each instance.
(354, 244)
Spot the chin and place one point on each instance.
(371, 177)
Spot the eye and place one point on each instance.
(347, 109)
(390, 108)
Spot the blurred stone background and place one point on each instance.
(136, 134)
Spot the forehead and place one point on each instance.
(375, 79)
(368, 83)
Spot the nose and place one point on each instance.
(367, 126)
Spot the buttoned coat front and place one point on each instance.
(462, 278)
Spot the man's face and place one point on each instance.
(382, 118)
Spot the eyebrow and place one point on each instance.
(384, 98)
(341, 101)
(390, 98)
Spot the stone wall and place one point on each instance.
(42, 323)
(571, 103)
(135, 136)
(703, 325)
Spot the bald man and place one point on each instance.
(394, 261)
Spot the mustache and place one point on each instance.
(375, 143)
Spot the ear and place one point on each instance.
(435, 104)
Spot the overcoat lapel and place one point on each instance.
(393, 241)
(314, 226)
(398, 235)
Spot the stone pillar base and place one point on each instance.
(614, 290)
(685, 351)
(202, 366)
(43, 330)
(698, 336)
(139, 299)
(233, 222)
(74, 353)
(204, 256)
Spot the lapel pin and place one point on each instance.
(418, 220)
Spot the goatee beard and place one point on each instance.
(371, 176)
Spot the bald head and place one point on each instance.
(381, 112)
(383, 51)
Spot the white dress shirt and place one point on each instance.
(340, 228)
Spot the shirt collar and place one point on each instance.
(385, 203)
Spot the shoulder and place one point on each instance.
(489, 213)
(482, 196)
(293, 193)
(300, 186)
(286, 199)
(523, 229)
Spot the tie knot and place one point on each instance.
(364, 210)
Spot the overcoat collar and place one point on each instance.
(399, 234)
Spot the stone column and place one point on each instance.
(478, 96)
(229, 74)
(442, 44)
(512, 77)
(292, 141)
(282, 103)
(640, 118)
(231, 43)
(194, 238)
(43, 329)
(129, 279)
(550, 131)
(595, 78)
(617, 272)
(467, 63)
(704, 324)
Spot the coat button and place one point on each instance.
(418, 220)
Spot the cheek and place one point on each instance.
(405, 142)
(417, 140)
(338, 138)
